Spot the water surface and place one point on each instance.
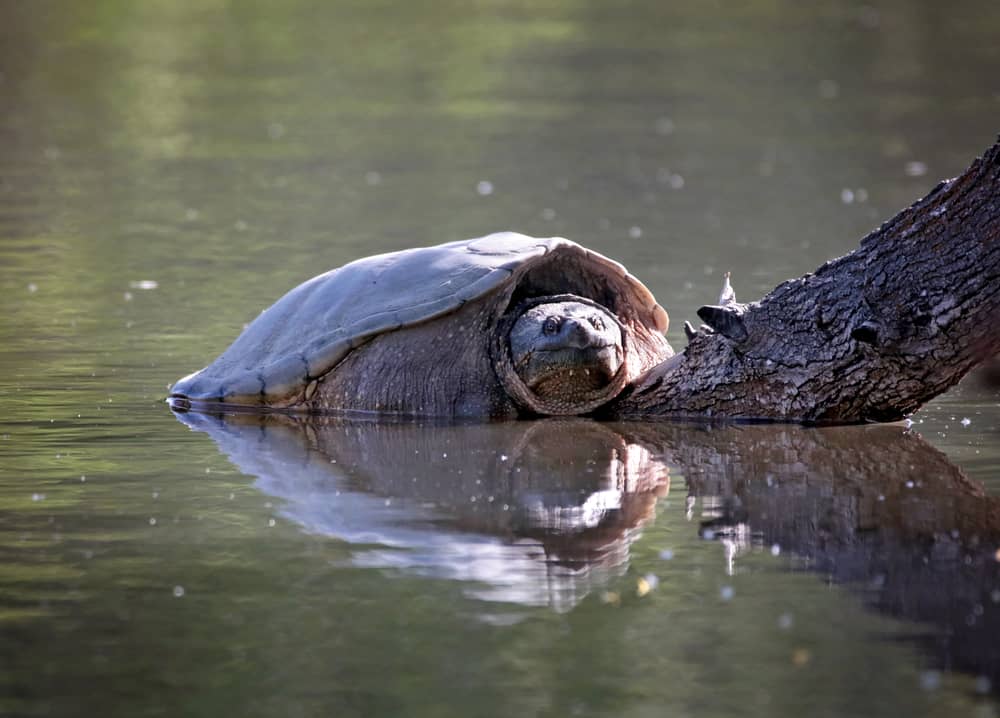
(168, 169)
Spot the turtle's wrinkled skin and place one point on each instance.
(496, 327)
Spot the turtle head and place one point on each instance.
(567, 353)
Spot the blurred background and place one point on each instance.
(227, 151)
(168, 168)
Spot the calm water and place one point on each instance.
(167, 169)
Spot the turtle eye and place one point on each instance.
(597, 323)
(550, 326)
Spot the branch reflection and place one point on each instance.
(875, 508)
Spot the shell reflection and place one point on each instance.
(535, 513)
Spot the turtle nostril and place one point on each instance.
(577, 333)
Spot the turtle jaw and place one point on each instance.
(569, 372)
(562, 355)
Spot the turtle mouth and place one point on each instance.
(571, 371)
(591, 349)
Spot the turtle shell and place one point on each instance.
(314, 326)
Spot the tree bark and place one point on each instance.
(870, 336)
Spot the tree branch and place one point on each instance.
(867, 337)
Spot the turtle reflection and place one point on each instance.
(537, 513)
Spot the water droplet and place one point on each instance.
(785, 621)
(726, 593)
(178, 591)
(915, 168)
(38, 497)
(645, 584)
(503, 457)
(152, 521)
(676, 182)
(869, 17)
(276, 130)
(965, 421)
(271, 523)
(145, 284)
(635, 232)
(667, 554)
(665, 126)
(240, 225)
(930, 680)
(484, 188)
(373, 178)
(775, 550)
(828, 89)
(190, 214)
(548, 214)
(847, 195)
(32, 287)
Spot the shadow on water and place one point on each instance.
(545, 512)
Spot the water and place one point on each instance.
(169, 169)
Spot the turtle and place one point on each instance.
(501, 326)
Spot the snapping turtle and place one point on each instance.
(500, 326)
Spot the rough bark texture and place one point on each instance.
(867, 337)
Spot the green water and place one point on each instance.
(168, 169)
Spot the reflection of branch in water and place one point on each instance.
(534, 512)
(876, 508)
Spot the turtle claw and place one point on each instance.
(689, 331)
(726, 317)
